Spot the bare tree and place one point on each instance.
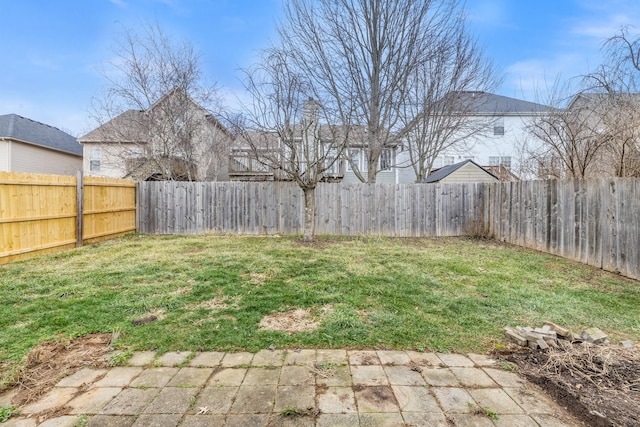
(436, 112)
(154, 109)
(616, 101)
(568, 141)
(288, 130)
(362, 56)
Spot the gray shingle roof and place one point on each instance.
(444, 172)
(27, 130)
(489, 103)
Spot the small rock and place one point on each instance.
(594, 335)
(627, 344)
(542, 344)
(272, 347)
(574, 338)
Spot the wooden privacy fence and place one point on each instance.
(39, 213)
(595, 222)
(278, 207)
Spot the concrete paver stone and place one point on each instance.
(388, 357)
(23, 422)
(202, 421)
(207, 359)
(82, 377)
(505, 378)
(429, 360)
(55, 398)
(228, 377)
(338, 420)
(268, 358)
(338, 357)
(381, 420)
(375, 399)
(157, 420)
(191, 377)
(336, 400)
(119, 377)
(415, 399)
(439, 377)
(93, 401)
(64, 421)
(254, 400)
(130, 401)
(154, 377)
(403, 375)
(532, 401)
(261, 376)
(172, 400)
(231, 360)
(431, 419)
(142, 358)
(473, 377)
(296, 375)
(247, 420)
(453, 399)
(471, 420)
(496, 400)
(111, 421)
(298, 397)
(335, 376)
(300, 357)
(368, 375)
(363, 357)
(457, 360)
(516, 421)
(547, 420)
(482, 359)
(174, 358)
(217, 400)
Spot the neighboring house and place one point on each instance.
(465, 171)
(30, 146)
(174, 139)
(504, 121)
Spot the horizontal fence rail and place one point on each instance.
(39, 213)
(594, 222)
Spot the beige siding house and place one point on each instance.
(463, 172)
(174, 139)
(33, 147)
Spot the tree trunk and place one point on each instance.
(372, 168)
(309, 213)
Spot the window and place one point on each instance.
(498, 127)
(94, 159)
(449, 160)
(500, 160)
(333, 169)
(385, 159)
(437, 163)
(355, 160)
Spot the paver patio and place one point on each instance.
(295, 388)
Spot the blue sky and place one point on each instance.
(51, 49)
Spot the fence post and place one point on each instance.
(79, 207)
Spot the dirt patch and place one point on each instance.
(292, 322)
(598, 384)
(50, 361)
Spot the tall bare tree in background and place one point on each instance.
(435, 113)
(568, 140)
(362, 57)
(615, 98)
(155, 107)
(288, 130)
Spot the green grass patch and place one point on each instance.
(211, 292)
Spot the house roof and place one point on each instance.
(33, 132)
(444, 172)
(489, 103)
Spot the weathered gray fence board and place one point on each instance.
(595, 222)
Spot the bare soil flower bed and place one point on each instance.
(599, 384)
